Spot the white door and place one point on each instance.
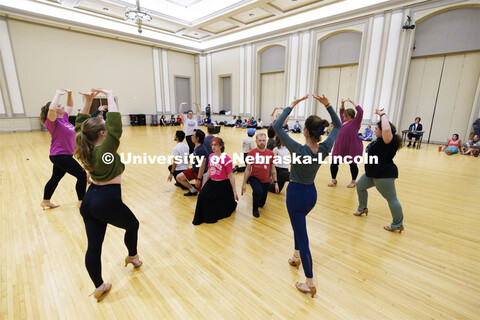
(441, 90)
(336, 83)
(272, 95)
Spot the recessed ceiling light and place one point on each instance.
(105, 9)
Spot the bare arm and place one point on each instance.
(387, 135)
(200, 173)
(273, 176)
(69, 106)
(207, 176)
(52, 110)
(231, 177)
(198, 111)
(248, 172)
(271, 116)
(180, 109)
(88, 101)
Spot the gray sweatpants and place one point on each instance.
(386, 187)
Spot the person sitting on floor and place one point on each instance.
(297, 127)
(453, 145)
(368, 136)
(472, 146)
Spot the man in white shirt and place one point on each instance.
(247, 146)
(180, 158)
(190, 123)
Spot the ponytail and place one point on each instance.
(44, 112)
(85, 140)
(316, 127)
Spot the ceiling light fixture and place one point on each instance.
(139, 16)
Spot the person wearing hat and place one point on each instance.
(247, 146)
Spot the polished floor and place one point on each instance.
(237, 268)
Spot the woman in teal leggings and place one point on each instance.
(383, 174)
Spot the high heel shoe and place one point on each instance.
(101, 294)
(399, 229)
(359, 213)
(333, 183)
(295, 262)
(133, 260)
(311, 290)
(49, 205)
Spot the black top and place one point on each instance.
(412, 127)
(199, 152)
(271, 144)
(385, 153)
(208, 111)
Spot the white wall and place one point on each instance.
(49, 58)
(181, 64)
(226, 62)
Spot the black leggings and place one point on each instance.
(103, 205)
(283, 175)
(242, 169)
(61, 165)
(191, 145)
(353, 170)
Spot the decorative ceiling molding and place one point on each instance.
(245, 22)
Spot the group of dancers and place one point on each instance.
(92, 139)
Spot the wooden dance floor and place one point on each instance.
(237, 268)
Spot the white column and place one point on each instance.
(390, 60)
(10, 70)
(203, 80)
(249, 76)
(209, 80)
(2, 105)
(293, 70)
(242, 80)
(157, 81)
(372, 66)
(166, 83)
(302, 88)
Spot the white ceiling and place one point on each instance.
(191, 24)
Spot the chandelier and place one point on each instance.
(138, 16)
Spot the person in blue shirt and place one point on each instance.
(297, 127)
(368, 136)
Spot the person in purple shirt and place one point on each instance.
(62, 146)
(348, 142)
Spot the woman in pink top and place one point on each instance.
(453, 145)
(348, 142)
(218, 197)
(55, 118)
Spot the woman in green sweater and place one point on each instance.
(96, 147)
